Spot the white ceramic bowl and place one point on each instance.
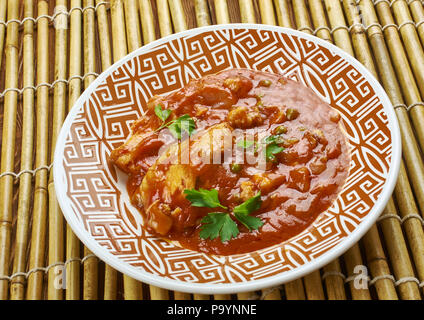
(92, 193)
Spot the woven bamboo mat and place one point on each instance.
(51, 50)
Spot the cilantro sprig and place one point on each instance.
(183, 123)
(220, 224)
(177, 126)
(242, 212)
(203, 198)
(245, 144)
(162, 114)
(271, 147)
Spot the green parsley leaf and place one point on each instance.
(203, 198)
(272, 148)
(218, 224)
(183, 123)
(162, 114)
(251, 223)
(245, 144)
(241, 212)
(250, 205)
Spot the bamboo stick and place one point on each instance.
(39, 224)
(409, 88)
(302, 16)
(275, 294)
(147, 21)
(403, 190)
(221, 12)
(313, 286)
(72, 242)
(283, 15)
(164, 17)
(90, 265)
(352, 258)
(413, 228)
(245, 295)
(267, 12)
(111, 275)
(201, 297)
(415, 52)
(8, 146)
(202, 13)
(417, 10)
(181, 295)
(132, 22)
(222, 297)
(178, 17)
(410, 38)
(377, 263)
(119, 39)
(104, 36)
(157, 293)
(3, 6)
(319, 20)
(17, 287)
(334, 283)
(56, 223)
(294, 290)
(132, 287)
(336, 17)
(247, 11)
(398, 252)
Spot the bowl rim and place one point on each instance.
(250, 285)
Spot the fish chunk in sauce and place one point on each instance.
(302, 175)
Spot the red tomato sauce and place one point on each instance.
(297, 184)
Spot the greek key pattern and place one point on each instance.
(96, 190)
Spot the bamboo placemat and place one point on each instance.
(51, 50)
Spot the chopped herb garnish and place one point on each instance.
(162, 114)
(179, 125)
(245, 144)
(218, 224)
(203, 198)
(272, 147)
(183, 123)
(242, 212)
